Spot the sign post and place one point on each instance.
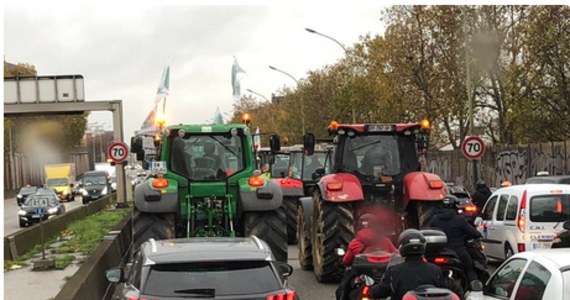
(40, 212)
(473, 147)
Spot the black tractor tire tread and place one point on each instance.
(159, 226)
(290, 205)
(336, 221)
(426, 210)
(270, 226)
(304, 245)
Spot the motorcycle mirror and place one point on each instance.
(476, 285)
(566, 225)
(339, 251)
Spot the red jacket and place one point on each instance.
(365, 241)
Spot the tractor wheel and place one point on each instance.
(270, 226)
(290, 205)
(425, 211)
(159, 226)
(304, 246)
(333, 227)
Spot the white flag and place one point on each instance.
(257, 140)
(236, 70)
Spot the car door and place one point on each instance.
(498, 233)
(503, 282)
(490, 239)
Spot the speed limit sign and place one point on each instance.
(473, 147)
(118, 152)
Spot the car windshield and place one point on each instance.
(372, 155)
(207, 157)
(40, 200)
(211, 279)
(28, 190)
(94, 180)
(56, 182)
(550, 208)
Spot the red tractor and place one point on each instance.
(376, 168)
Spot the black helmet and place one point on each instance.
(450, 201)
(366, 221)
(412, 242)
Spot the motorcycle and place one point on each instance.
(562, 239)
(430, 292)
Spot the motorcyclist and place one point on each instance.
(457, 231)
(481, 195)
(410, 274)
(369, 237)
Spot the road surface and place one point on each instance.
(11, 222)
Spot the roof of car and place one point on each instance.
(557, 257)
(535, 187)
(206, 249)
(95, 173)
(553, 178)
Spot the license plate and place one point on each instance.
(35, 216)
(546, 237)
(543, 245)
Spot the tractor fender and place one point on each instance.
(307, 204)
(269, 197)
(350, 191)
(150, 200)
(290, 187)
(417, 188)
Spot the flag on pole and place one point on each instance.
(149, 123)
(218, 119)
(257, 140)
(236, 70)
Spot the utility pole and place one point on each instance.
(472, 166)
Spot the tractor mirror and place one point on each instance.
(309, 143)
(140, 155)
(136, 144)
(274, 143)
(319, 172)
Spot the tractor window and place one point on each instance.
(280, 166)
(313, 162)
(295, 164)
(207, 157)
(372, 155)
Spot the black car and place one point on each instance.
(25, 192)
(465, 203)
(198, 268)
(94, 185)
(48, 202)
(559, 179)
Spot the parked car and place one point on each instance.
(213, 268)
(94, 185)
(465, 202)
(524, 217)
(543, 274)
(560, 179)
(25, 192)
(48, 201)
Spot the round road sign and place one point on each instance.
(118, 152)
(473, 147)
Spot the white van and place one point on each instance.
(524, 218)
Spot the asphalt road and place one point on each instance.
(11, 222)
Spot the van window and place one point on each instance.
(502, 207)
(550, 208)
(489, 208)
(533, 283)
(512, 208)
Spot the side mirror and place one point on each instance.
(115, 275)
(274, 143)
(140, 155)
(319, 172)
(566, 225)
(71, 185)
(136, 144)
(285, 268)
(339, 251)
(309, 143)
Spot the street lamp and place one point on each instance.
(254, 92)
(302, 100)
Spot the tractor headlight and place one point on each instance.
(104, 191)
(52, 210)
(22, 212)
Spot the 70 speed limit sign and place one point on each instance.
(473, 147)
(118, 152)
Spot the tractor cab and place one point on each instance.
(309, 168)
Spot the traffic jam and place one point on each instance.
(344, 187)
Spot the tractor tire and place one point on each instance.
(159, 226)
(304, 246)
(425, 211)
(290, 205)
(270, 226)
(333, 227)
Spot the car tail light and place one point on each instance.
(256, 181)
(520, 247)
(290, 295)
(160, 183)
(470, 208)
(441, 260)
(521, 222)
(436, 184)
(334, 186)
(364, 294)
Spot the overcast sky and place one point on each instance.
(121, 51)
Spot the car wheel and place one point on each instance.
(508, 251)
(23, 224)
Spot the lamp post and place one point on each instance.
(343, 49)
(302, 100)
(260, 95)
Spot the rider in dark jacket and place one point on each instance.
(407, 276)
(481, 195)
(457, 231)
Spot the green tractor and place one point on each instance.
(206, 184)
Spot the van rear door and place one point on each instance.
(547, 212)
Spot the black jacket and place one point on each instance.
(407, 276)
(481, 195)
(455, 227)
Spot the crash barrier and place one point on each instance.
(89, 281)
(25, 240)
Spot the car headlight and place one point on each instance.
(84, 192)
(52, 210)
(19, 196)
(22, 212)
(104, 191)
(65, 193)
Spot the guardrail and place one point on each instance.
(25, 240)
(89, 281)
